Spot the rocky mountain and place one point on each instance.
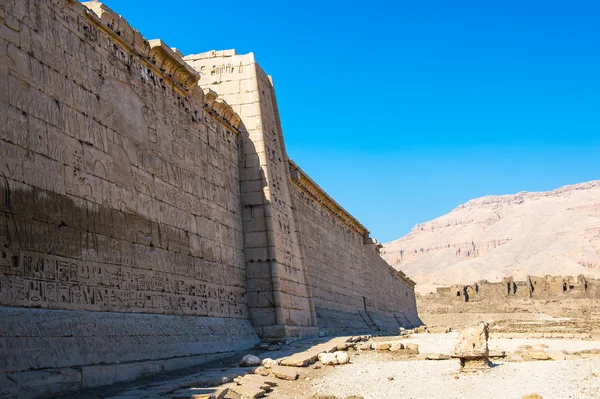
(555, 232)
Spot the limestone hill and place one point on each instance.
(555, 232)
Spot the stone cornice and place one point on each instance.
(306, 184)
(221, 110)
(173, 65)
(155, 54)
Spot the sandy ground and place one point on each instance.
(369, 374)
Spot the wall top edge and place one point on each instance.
(305, 182)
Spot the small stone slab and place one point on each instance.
(248, 391)
(380, 346)
(285, 373)
(395, 347)
(412, 347)
(536, 355)
(437, 356)
(365, 346)
(497, 354)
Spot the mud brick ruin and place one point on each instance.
(150, 218)
(556, 295)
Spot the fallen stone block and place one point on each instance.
(268, 363)
(260, 370)
(438, 356)
(412, 347)
(250, 361)
(345, 346)
(253, 378)
(537, 355)
(328, 359)
(380, 346)
(285, 373)
(365, 346)
(297, 360)
(248, 391)
(472, 348)
(395, 347)
(342, 357)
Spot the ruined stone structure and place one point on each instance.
(547, 287)
(150, 218)
(554, 295)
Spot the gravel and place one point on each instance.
(368, 376)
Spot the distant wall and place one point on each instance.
(510, 294)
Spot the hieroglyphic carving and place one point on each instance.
(57, 282)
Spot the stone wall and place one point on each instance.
(510, 294)
(119, 192)
(345, 269)
(150, 218)
(328, 270)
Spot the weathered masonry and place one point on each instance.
(150, 218)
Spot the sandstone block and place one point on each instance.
(537, 355)
(342, 357)
(412, 347)
(395, 347)
(437, 356)
(364, 346)
(260, 370)
(473, 342)
(285, 373)
(345, 346)
(328, 359)
(380, 346)
(268, 363)
(248, 391)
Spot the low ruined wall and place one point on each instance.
(555, 295)
(119, 198)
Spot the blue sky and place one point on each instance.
(404, 110)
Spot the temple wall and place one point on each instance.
(119, 195)
(150, 218)
(328, 275)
